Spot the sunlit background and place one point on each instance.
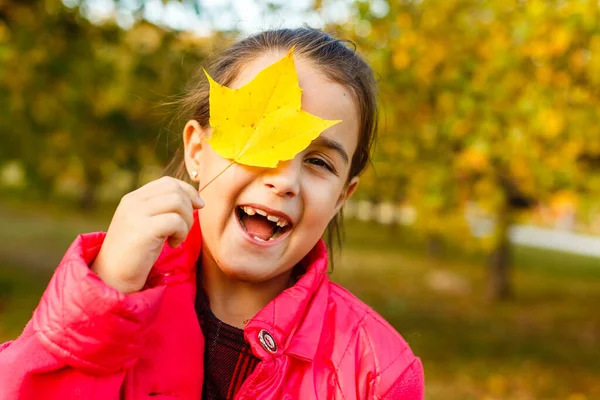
(476, 231)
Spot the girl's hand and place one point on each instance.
(143, 220)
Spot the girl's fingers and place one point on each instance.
(192, 192)
(167, 203)
(171, 226)
(162, 209)
(154, 188)
(168, 184)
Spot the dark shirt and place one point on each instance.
(228, 359)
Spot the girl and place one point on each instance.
(233, 306)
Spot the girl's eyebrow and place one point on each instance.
(333, 145)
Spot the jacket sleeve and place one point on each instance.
(83, 336)
(409, 385)
(397, 374)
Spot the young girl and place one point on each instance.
(238, 304)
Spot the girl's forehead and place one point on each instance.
(250, 69)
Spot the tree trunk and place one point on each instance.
(499, 284)
(134, 165)
(398, 197)
(434, 245)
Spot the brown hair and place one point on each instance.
(333, 56)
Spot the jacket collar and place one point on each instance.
(294, 319)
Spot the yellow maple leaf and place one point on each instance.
(262, 122)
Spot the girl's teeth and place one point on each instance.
(259, 239)
(252, 211)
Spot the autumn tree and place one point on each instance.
(488, 102)
(84, 99)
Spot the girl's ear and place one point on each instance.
(347, 193)
(193, 134)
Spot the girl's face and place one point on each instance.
(298, 198)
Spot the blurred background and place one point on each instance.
(476, 230)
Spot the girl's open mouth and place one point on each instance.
(261, 225)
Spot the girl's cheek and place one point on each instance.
(325, 200)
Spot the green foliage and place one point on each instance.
(79, 101)
(487, 101)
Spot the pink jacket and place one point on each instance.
(88, 341)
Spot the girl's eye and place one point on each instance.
(319, 162)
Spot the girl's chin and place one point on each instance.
(251, 274)
(248, 265)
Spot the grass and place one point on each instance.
(543, 344)
(20, 291)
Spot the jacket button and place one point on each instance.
(267, 341)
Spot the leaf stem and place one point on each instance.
(218, 175)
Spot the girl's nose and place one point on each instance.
(284, 180)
